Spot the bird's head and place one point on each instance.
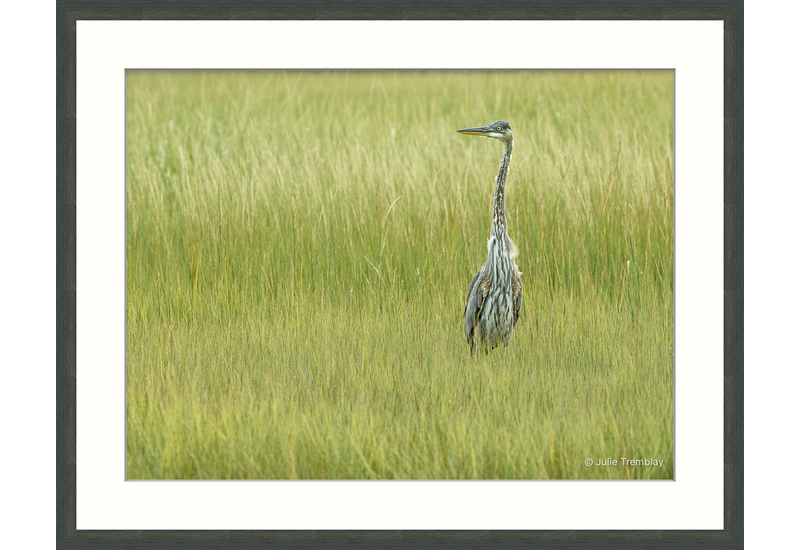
(498, 129)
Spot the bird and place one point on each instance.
(494, 298)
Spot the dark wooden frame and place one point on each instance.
(731, 12)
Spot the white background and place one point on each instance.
(693, 501)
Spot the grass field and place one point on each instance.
(299, 246)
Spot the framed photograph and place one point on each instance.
(301, 304)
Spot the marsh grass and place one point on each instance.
(299, 246)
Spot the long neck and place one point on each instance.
(499, 226)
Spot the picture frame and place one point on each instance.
(68, 536)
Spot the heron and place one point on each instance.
(494, 297)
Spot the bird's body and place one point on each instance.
(494, 297)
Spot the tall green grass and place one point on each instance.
(299, 246)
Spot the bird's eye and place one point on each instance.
(498, 128)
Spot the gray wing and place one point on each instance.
(476, 295)
(516, 293)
